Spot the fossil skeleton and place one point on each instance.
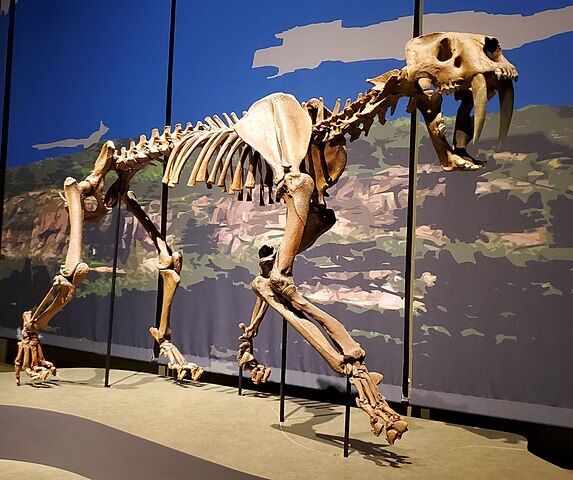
(299, 151)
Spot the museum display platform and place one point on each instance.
(147, 426)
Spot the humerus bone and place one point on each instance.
(303, 148)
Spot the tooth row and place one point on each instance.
(506, 73)
(448, 88)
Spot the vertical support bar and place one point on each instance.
(164, 188)
(283, 371)
(6, 109)
(112, 293)
(240, 385)
(411, 233)
(347, 417)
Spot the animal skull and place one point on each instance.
(455, 63)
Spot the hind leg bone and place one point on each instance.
(169, 266)
(30, 356)
(297, 191)
(245, 355)
(346, 356)
(319, 220)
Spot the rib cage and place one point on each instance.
(223, 158)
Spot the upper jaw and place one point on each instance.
(474, 92)
(506, 73)
(493, 79)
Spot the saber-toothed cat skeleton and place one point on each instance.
(303, 150)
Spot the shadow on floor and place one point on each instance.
(506, 437)
(320, 413)
(97, 380)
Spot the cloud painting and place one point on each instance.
(309, 45)
(93, 138)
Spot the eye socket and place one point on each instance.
(444, 50)
(491, 45)
(492, 48)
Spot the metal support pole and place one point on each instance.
(240, 385)
(164, 188)
(283, 371)
(112, 293)
(347, 417)
(411, 233)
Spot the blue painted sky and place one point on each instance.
(76, 63)
(219, 77)
(79, 63)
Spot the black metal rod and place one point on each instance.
(164, 188)
(283, 371)
(112, 293)
(347, 417)
(410, 231)
(418, 18)
(168, 107)
(169, 89)
(6, 109)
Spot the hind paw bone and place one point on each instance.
(30, 357)
(178, 363)
(245, 355)
(245, 358)
(369, 399)
(259, 372)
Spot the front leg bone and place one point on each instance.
(169, 264)
(369, 398)
(310, 332)
(335, 330)
(430, 105)
(30, 357)
(374, 404)
(245, 354)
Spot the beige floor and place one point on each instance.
(13, 470)
(244, 433)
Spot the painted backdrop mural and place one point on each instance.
(356, 272)
(80, 77)
(494, 335)
(485, 241)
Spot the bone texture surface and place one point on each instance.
(290, 151)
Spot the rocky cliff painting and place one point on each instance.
(493, 247)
